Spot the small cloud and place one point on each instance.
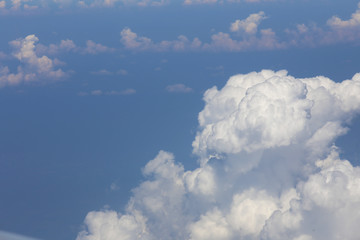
(248, 25)
(102, 72)
(95, 48)
(122, 72)
(128, 91)
(96, 92)
(157, 69)
(180, 88)
(82, 94)
(114, 187)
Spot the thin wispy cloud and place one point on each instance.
(98, 92)
(178, 88)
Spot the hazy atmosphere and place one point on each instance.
(188, 120)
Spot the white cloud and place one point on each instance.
(95, 48)
(32, 66)
(268, 168)
(132, 41)
(53, 49)
(354, 21)
(179, 88)
(248, 25)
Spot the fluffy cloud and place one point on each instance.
(95, 48)
(248, 25)
(336, 31)
(354, 21)
(33, 67)
(266, 39)
(268, 169)
(245, 35)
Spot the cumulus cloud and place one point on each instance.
(336, 31)
(245, 34)
(268, 168)
(248, 25)
(33, 67)
(266, 39)
(95, 48)
(354, 21)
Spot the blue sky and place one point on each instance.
(93, 90)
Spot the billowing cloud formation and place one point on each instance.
(33, 67)
(268, 169)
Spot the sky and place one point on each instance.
(188, 119)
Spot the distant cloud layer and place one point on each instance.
(36, 5)
(268, 168)
(245, 35)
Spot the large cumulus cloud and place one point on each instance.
(268, 168)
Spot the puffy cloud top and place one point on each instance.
(269, 168)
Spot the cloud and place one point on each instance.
(113, 3)
(32, 66)
(267, 39)
(12, 236)
(268, 168)
(354, 21)
(249, 25)
(336, 31)
(190, 2)
(179, 88)
(245, 35)
(53, 49)
(69, 46)
(98, 92)
(132, 41)
(95, 48)
(103, 72)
